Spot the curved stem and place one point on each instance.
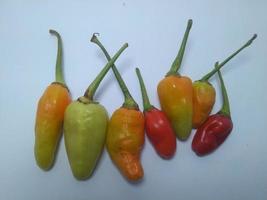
(178, 60)
(211, 73)
(59, 73)
(146, 102)
(128, 99)
(89, 93)
(225, 110)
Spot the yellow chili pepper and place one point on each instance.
(204, 93)
(175, 94)
(50, 114)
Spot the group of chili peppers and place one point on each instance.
(87, 127)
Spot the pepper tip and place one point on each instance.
(255, 36)
(93, 38)
(190, 22)
(54, 32)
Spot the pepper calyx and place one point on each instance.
(130, 104)
(203, 81)
(173, 74)
(86, 100)
(149, 108)
(224, 113)
(62, 84)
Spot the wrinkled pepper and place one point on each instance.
(125, 137)
(85, 126)
(158, 128)
(213, 132)
(204, 93)
(175, 94)
(50, 114)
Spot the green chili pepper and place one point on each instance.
(85, 126)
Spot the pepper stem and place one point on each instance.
(211, 73)
(146, 102)
(225, 110)
(89, 93)
(59, 74)
(178, 60)
(128, 99)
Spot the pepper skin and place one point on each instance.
(125, 137)
(49, 116)
(204, 96)
(175, 94)
(160, 133)
(125, 140)
(213, 132)
(204, 93)
(85, 132)
(85, 126)
(157, 125)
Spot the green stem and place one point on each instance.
(211, 73)
(146, 102)
(225, 110)
(178, 60)
(59, 73)
(89, 93)
(128, 99)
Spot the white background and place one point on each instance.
(153, 29)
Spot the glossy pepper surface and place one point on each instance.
(204, 93)
(157, 125)
(85, 126)
(175, 94)
(213, 132)
(50, 114)
(125, 137)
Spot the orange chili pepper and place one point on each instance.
(204, 93)
(125, 140)
(125, 137)
(175, 94)
(50, 114)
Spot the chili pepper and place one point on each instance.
(49, 116)
(85, 126)
(204, 93)
(125, 137)
(213, 132)
(157, 125)
(175, 94)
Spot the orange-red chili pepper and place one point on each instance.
(175, 94)
(125, 137)
(50, 114)
(204, 93)
(157, 125)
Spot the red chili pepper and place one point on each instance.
(216, 128)
(157, 125)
